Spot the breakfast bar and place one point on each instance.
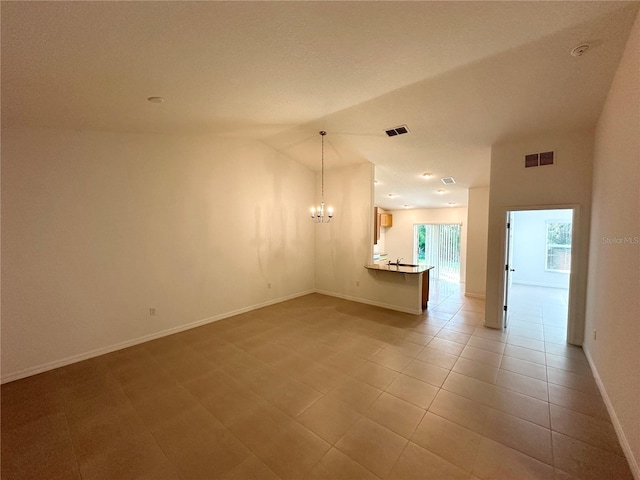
(407, 269)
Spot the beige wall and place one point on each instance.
(477, 227)
(613, 305)
(568, 182)
(345, 246)
(97, 228)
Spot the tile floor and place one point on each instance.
(322, 388)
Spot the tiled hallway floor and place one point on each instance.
(319, 387)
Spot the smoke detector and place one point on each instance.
(580, 50)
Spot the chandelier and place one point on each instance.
(318, 215)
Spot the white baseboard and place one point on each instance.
(27, 372)
(371, 302)
(624, 443)
(474, 295)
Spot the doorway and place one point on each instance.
(538, 265)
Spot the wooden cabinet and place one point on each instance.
(380, 219)
(425, 289)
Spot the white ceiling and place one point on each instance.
(461, 75)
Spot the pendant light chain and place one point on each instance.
(319, 215)
(322, 133)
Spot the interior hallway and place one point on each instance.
(319, 387)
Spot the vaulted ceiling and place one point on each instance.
(460, 75)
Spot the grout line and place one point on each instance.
(387, 344)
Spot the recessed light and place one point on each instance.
(451, 204)
(407, 206)
(427, 175)
(392, 195)
(440, 192)
(155, 99)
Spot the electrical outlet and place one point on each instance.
(152, 312)
(595, 334)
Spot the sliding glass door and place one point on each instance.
(439, 245)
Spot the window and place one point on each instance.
(558, 258)
(439, 245)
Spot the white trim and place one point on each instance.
(575, 323)
(475, 295)
(624, 443)
(371, 302)
(27, 372)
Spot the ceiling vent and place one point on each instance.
(401, 130)
(448, 180)
(539, 159)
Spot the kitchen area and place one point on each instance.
(399, 248)
(382, 265)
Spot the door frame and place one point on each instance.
(575, 324)
(508, 264)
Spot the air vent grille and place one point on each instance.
(546, 158)
(401, 130)
(531, 160)
(448, 180)
(539, 159)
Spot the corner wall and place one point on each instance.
(345, 246)
(477, 231)
(613, 301)
(568, 182)
(97, 228)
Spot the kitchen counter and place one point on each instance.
(402, 268)
(408, 269)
